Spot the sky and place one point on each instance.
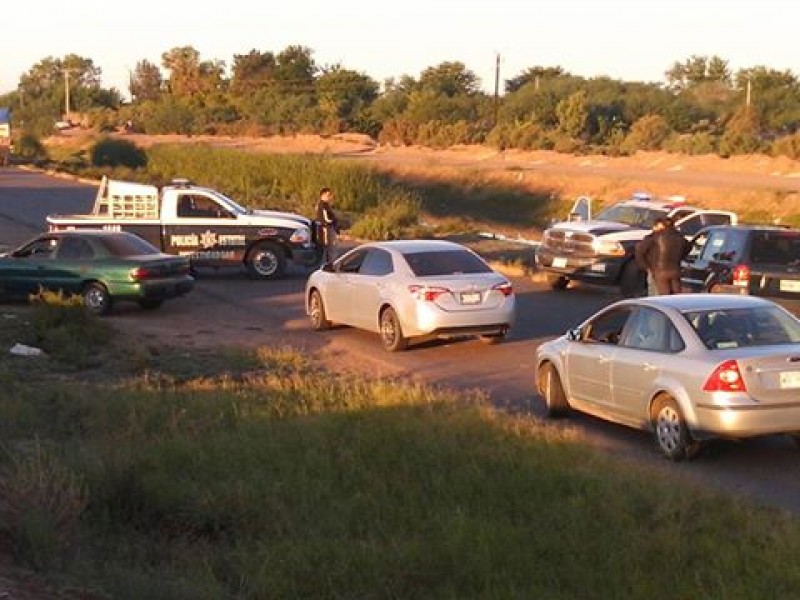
(633, 40)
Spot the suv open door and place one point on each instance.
(700, 219)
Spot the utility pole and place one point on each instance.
(749, 86)
(66, 94)
(496, 87)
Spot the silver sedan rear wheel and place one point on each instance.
(391, 332)
(672, 434)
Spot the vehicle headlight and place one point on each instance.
(608, 247)
(300, 236)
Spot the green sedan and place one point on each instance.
(102, 266)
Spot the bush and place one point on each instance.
(65, 330)
(696, 143)
(787, 146)
(42, 501)
(109, 152)
(29, 147)
(387, 221)
(648, 133)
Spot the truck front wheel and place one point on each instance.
(266, 261)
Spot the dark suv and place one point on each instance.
(756, 260)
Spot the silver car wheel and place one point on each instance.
(668, 429)
(672, 434)
(316, 312)
(391, 333)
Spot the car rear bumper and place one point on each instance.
(157, 289)
(747, 421)
(431, 320)
(594, 269)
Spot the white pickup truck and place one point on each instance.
(203, 224)
(600, 250)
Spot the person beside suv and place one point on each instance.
(756, 260)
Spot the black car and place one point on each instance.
(756, 260)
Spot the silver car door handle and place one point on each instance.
(649, 366)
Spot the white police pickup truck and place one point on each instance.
(600, 250)
(203, 224)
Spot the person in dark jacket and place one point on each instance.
(660, 254)
(328, 224)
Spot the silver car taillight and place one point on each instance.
(426, 293)
(504, 288)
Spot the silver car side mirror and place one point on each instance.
(574, 335)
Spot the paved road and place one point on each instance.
(233, 310)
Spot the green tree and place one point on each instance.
(146, 82)
(535, 75)
(648, 133)
(449, 79)
(344, 95)
(742, 133)
(572, 114)
(252, 71)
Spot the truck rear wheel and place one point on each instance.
(557, 282)
(266, 261)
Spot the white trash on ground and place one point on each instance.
(23, 350)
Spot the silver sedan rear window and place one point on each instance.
(445, 262)
(721, 329)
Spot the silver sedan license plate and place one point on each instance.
(788, 285)
(790, 380)
(470, 298)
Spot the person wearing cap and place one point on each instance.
(660, 254)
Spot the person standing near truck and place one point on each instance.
(328, 224)
(661, 253)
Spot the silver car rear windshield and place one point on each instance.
(445, 262)
(722, 329)
(635, 216)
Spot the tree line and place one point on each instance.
(701, 107)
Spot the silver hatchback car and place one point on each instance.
(412, 288)
(689, 366)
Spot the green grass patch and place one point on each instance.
(255, 474)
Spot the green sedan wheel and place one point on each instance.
(96, 298)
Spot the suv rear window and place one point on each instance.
(776, 247)
(447, 262)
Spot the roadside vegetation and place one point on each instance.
(701, 107)
(173, 473)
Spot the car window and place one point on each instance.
(775, 247)
(377, 262)
(691, 225)
(127, 244)
(698, 243)
(41, 248)
(445, 262)
(744, 327)
(198, 206)
(712, 218)
(714, 245)
(351, 263)
(650, 329)
(75, 248)
(635, 216)
(607, 328)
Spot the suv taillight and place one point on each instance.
(741, 275)
(725, 378)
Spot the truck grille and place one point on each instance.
(562, 241)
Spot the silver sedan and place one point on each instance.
(689, 367)
(412, 288)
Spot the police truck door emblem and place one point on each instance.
(208, 239)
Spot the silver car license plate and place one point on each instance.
(790, 380)
(470, 298)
